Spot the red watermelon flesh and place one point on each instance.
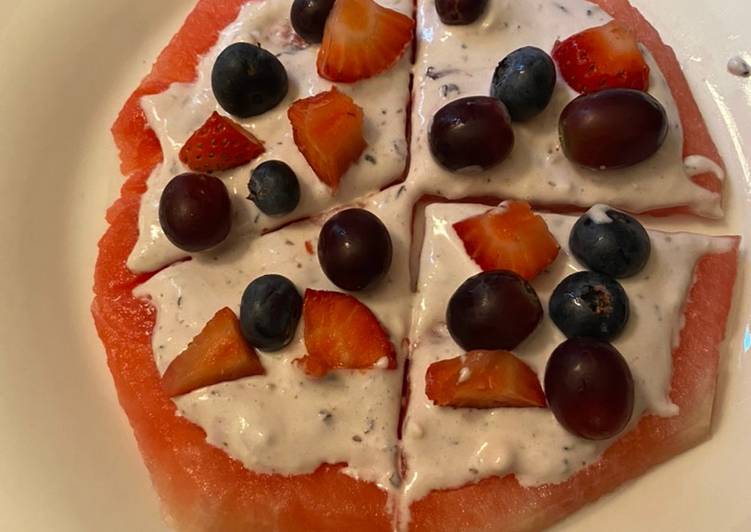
(204, 489)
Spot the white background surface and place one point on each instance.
(68, 461)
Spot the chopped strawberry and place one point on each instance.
(483, 379)
(219, 144)
(602, 57)
(362, 39)
(327, 129)
(509, 237)
(217, 354)
(341, 332)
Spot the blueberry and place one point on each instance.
(589, 304)
(308, 18)
(524, 82)
(248, 80)
(269, 312)
(274, 188)
(610, 242)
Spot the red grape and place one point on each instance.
(493, 310)
(195, 211)
(612, 128)
(589, 388)
(471, 133)
(354, 249)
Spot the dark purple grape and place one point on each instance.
(471, 133)
(589, 388)
(308, 18)
(460, 12)
(589, 304)
(493, 310)
(195, 211)
(354, 249)
(612, 128)
(617, 245)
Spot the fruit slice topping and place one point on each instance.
(483, 379)
(219, 144)
(510, 237)
(342, 333)
(361, 39)
(606, 56)
(217, 354)
(327, 129)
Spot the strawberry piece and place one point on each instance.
(219, 144)
(217, 354)
(362, 39)
(483, 379)
(327, 129)
(510, 237)
(603, 57)
(341, 332)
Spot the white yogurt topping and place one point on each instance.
(599, 214)
(458, 61)
(284, 422)
(177, 112)
(460, 446)
(698, 164)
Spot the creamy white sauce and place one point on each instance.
(177, 112)
(284, 422)
(698, 164)
(463, 59)
(459, 446)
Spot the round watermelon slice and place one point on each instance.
(202, 488)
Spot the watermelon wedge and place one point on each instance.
(202, 488)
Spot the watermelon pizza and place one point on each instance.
(376, 265)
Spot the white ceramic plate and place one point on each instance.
(69, 462)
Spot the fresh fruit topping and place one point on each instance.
(510, 237)
(248, 80)
(524, 82)
(217, 354)
(361, 40)
(493, 310)
(274, 188)
(612, 128)
(195, 211)
(459, 12)
(354, 249)
(589, 304)
(471, 134)
(308, 18)
(610, 242)
(483, 379)
(328, 131)
(589, 388)
(342, 333)
(219, 144)
(603, 57)
(270, 309)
